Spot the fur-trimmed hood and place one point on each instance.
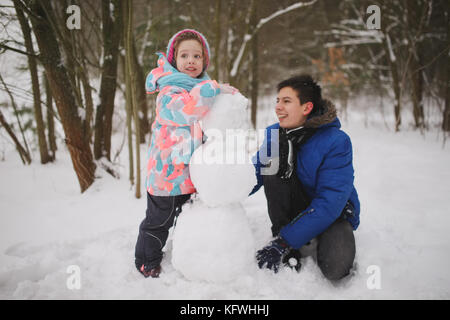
(326, 115)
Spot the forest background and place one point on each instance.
(74, 67)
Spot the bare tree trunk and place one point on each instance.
(130, 54)
(16, 113)
(416, 75)
(217, 39)
(398, 103)
(24, 155)
(446, 116)
(112, 32)
(170, 16)
(227, 61)
(236, 77)
(40, 125)
(99, 131)
(254, 68)
(67, 44)
(89, 105)
(60, 85)
(132, 93)
(416, 13)
(446, 120)
(129, 112)
(141, 94)
(50, 118)
(395, 80)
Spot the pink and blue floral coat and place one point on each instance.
(181, 102)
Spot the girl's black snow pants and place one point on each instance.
(154, 229)
(334, 248)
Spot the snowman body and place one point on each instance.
(212, 240)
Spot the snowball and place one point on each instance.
(221, 182)
(213, 244)
(229, 111)
(221, 169)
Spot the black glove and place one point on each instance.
(270, 256)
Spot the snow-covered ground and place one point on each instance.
(58, 243)
(403, 244)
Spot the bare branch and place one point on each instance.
(282, 11)
(4, 46)
(262, 22)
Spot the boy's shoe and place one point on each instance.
(147, 272)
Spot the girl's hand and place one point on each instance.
(226, 88)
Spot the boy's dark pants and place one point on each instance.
(154, 229)
(335, 246)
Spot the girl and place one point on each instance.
(186, 93)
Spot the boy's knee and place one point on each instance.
(336, 250)
(333, 271)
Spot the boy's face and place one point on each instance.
(290, 112)
(189, 58)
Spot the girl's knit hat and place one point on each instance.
(171, 48)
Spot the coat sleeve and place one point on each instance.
(263, 159)
(259, 181)
(177, 107)
(334, 184)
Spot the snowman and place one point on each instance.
(212, 240)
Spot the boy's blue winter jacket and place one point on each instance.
(324, 167)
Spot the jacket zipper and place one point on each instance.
(301, 215)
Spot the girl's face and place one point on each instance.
(189, 58)
(290, 112)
